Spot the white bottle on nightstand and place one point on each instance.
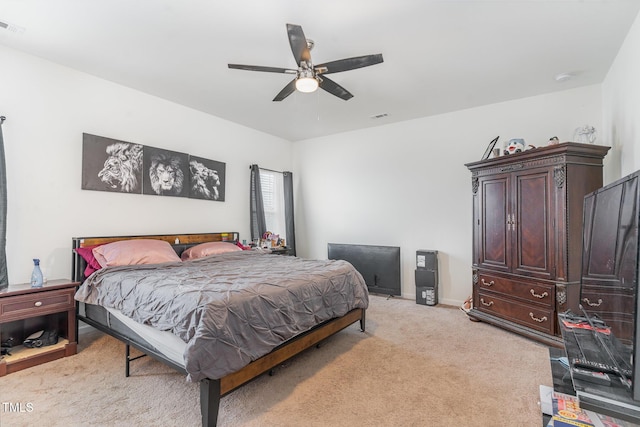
(36, 276)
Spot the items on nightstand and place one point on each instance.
(271, 240)
(36, 276)
(41, 339)
(6, 347)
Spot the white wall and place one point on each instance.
(406, 185)
(621, 108)
(402, 184)
(48, 107)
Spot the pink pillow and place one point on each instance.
(210, 248)
(87, 254)
(136, 251)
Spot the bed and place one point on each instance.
(220, 317)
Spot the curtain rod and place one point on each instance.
(270, 170)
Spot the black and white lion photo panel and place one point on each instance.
(207, 179)
(111, 165)
(166, 173)
(124, 167)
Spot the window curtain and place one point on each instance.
(256, 205)
(288, 212)
(4, 276)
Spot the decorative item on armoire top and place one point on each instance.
(553, 140)
(492, 144)
(515, 145)
(585, 135)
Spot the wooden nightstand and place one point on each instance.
(279, 250)
(25, 310)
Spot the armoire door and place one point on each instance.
(532, 225)
(494, 237)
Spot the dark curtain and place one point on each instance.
(4, 276)
(288, 212)
(256, 205)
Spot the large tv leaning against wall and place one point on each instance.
(611, 268)
(379, 265)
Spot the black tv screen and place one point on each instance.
(379, 265)
(610, 269)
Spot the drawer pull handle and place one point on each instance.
(592, 304)
(542, 295)
(543, 319)
(38, 303)
(491, 283)
(486, 304)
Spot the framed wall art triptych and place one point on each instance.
(125, 167)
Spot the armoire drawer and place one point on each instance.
(529, 292)
(534, 317)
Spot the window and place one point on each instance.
(273, 200)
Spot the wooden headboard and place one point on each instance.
(179, 242)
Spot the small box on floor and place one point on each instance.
(426, 287)
(426, 295)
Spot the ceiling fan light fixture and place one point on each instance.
(307, 84)
(309, 77)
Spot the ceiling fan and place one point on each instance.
(308, 76)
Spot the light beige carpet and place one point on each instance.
(414, 366)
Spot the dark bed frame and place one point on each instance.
(211, 390)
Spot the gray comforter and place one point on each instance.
(230, 309)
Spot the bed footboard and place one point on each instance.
(212, 390)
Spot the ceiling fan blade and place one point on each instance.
(286, 91)
(298, 43)
(335, 89)
(261, 68)
(349, 64)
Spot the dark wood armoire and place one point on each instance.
(527, 235)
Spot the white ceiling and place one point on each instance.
(439, 55)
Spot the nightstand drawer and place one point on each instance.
(39, 303)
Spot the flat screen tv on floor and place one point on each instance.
(609, 288)
(379, 265)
